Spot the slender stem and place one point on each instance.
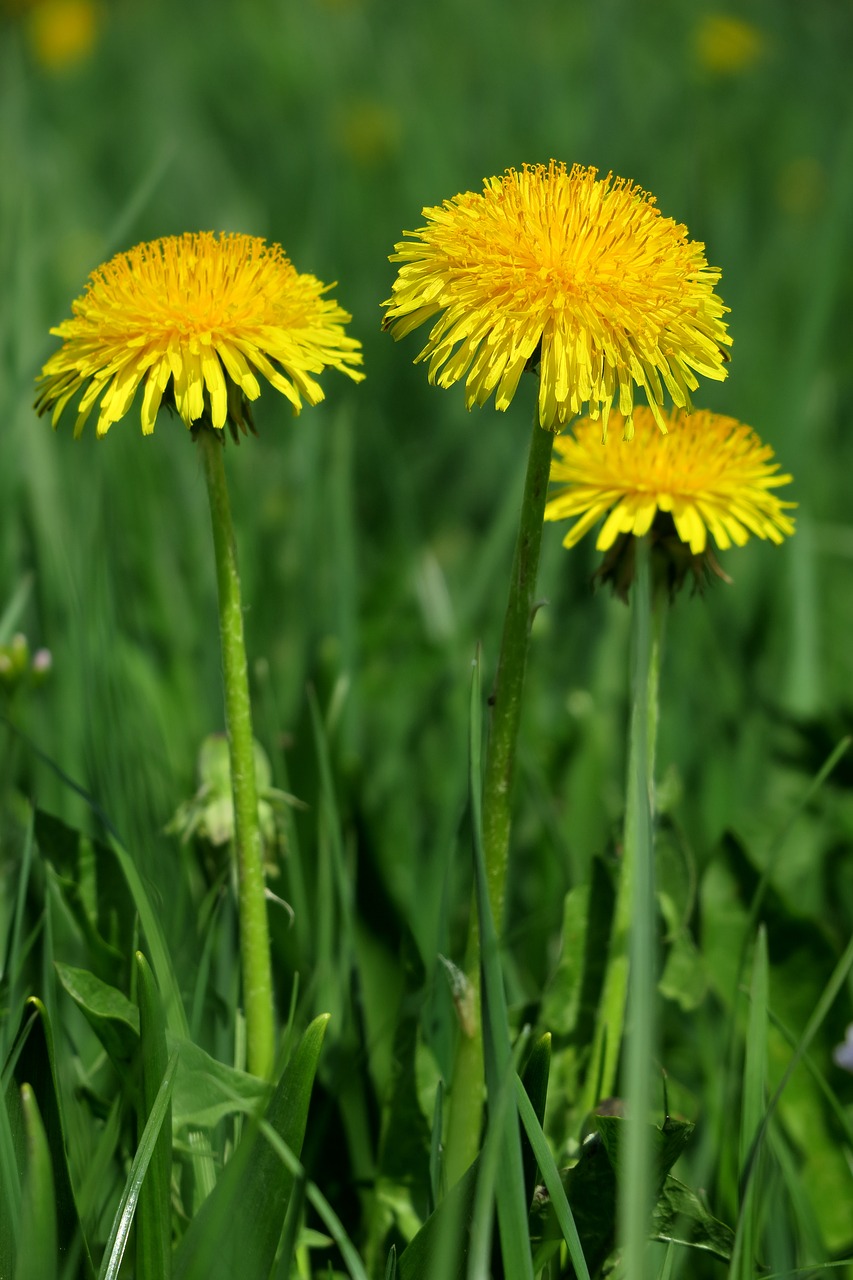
(467, 1095)
(254, 931)
(512, 662)
(609, 1029)
(637, 1183)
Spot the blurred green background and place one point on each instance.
(375, 532)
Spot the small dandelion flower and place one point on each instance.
(583, 277)
(196, 320)
(709, 474)
(726, 45)
(63, 32)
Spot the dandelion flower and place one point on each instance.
(581, 276)
(711, 474)
(196, 319)
(63, 32)
(727, 45)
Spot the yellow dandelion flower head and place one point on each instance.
(196, 318)
(581, 275)
(709, 473)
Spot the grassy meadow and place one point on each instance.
(375, 536)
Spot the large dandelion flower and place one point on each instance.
(197, 319)
(581, 276)
(710, 474)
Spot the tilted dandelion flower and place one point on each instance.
(580, 275)
(196, 319)
(710, 473)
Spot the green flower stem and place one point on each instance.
(254, 930)
(636, 1187)
(512, 662)
(648, 625)
(466, 1100)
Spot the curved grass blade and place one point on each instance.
(37, 1239)
(123, 1220)
(33, 1062)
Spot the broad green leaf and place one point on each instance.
(591, 1188)
(113, 1018)
(680, 1217)
(37, 1238)
(207, 1090)
(668, 1142)
(154, 1213)
(571, 999)
(124, 1214)
(237, 1229)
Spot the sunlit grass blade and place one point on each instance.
(497, 1052)
(124, 1215)
(551, 1178)
(37, 1238)
(154, 1214)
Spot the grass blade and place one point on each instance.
(37, 1254)
(754, 1101)
(37, 1238)
(238, 1228)
(509, 1179)
(124, 1215)
(551, 1178)
(154, 1215)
